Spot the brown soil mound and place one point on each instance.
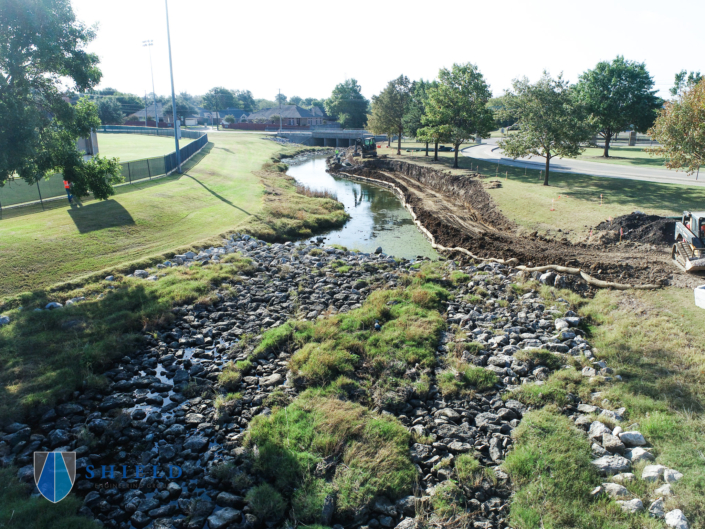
(458, 211)
(646, 229)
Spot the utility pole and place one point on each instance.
(173, 97)
(280, 110)
(148, 44)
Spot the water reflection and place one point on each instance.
(377, 216)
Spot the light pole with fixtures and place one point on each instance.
(148, 44)
(173, 97)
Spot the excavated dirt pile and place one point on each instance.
(458, 212)
(642, 228)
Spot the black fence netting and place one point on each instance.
(17, 191)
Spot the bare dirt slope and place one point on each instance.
(459, 212)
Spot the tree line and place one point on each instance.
(548, 118)
(43, 59)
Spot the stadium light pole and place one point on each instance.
(173, 97)
(148, 44)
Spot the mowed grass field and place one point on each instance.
(217, 191)
(129, 147)
(575, 198)
(624, 155)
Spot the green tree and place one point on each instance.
(617, 95)
(348, 105)
(460, 102)
(684, 81)
(280, 99)
(433, 133)
(379, 121)
(313, 102)
(680, 130)
(417, 108)
(245, 101)
(295, 100)
(110, 111)
(552, 122)
(183, 108)
(263, 104)
(390, 107)
(503, 118)
(216, 99)
(42, 54)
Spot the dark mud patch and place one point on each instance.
(645, 229)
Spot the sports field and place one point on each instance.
(129, 147)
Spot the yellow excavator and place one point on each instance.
(688, 250)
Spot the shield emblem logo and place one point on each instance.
(54, 474)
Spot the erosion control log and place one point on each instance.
(510, 262)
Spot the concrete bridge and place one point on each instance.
(329, 138)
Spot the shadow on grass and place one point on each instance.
(99, 216)
(31, 209)
(649, 195)
(216, 195)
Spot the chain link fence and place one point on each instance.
(17, 192)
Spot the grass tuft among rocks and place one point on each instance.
(48, 354)
(371, 452)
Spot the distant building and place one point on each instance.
(239, 114)
(291, 115)
(149, 111)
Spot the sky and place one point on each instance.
(307, 47)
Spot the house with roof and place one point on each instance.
(239, 114)
(149, 111)
(291, 115)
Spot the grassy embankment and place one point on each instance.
(620, 154)
(128, 147)
(575, 198)
(47, 354)
(654, 340)
(220, 190)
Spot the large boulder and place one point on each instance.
(676, 519)
(224, 518)
(196, 443)
(609, 465)
(632, 439)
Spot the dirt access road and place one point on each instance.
(458, 212)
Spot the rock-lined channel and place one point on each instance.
(159, 410)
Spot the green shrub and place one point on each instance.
(457, 277)
(266, 502)
(463, 377)
(411, 326)
(448, 500)
(541, 357)
(468, 469)
(373, 451)
(307, 502)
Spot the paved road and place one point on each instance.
(489, 151)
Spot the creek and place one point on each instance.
(377, 217)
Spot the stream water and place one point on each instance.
(377, 217)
